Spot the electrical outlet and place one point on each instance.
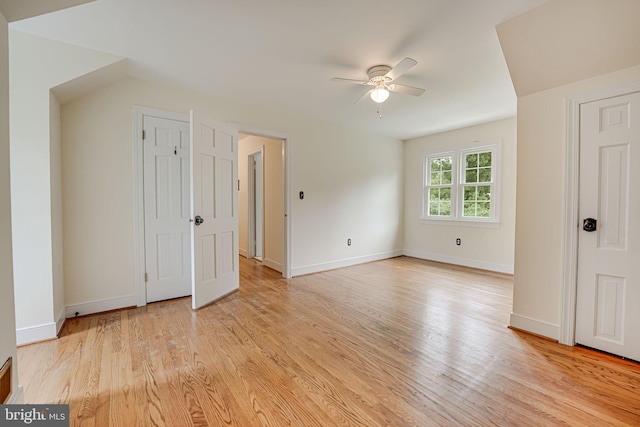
(458, 241)
(348, 242)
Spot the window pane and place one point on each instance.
(440, 201)
(446, 163)
(469, 209)
(484, 209)
(435, 178)
(446, 177)
(441, 163)
(471, 175)
(469, 192)
(472, 160)
(485, 175)
(485, 159)
(484, 192)
(445, 208)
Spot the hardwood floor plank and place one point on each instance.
(399, 342)
(148, 407)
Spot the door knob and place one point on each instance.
(199, 220)
(589, 224)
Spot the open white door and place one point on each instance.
(214, 209)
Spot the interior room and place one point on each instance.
(357, 213)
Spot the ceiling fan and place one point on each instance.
(381, 79)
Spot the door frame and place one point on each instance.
(251, 249)
(569, 287)
(287, 147)
(138, 192)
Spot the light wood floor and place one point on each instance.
(400, 342)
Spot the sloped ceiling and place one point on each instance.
(15, 10)
(69, 71)
(283, 53)
(564, 41)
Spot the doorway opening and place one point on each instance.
(261, 199)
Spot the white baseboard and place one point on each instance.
(273, 265)
(315, 268)
(17, 397)
(534, 326)
(101, 305)
(49, 331)
(36, 333)
(243, 252)
(466, 262)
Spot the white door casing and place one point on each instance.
(608, 277)
(214, 199)
(167, 232)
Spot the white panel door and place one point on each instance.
(608, 299)
(167, 208)
(214, 178)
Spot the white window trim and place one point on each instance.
(457, 194)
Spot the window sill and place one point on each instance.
(461, 223)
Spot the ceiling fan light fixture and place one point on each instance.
(379, 95)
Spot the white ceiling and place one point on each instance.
(283, 53)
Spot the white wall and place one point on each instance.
(37, 65)
(273, 255)
(486, 248)
(352, 181)
(30, 188)
(541, 180)
(7, 310)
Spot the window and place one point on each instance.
(461, 185)
(439, 186)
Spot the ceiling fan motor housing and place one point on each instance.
(377, 73)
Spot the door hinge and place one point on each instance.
(146, 277)
(143, 134)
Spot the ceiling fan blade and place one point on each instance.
(341, 80)
(367, 93)
(403, 66)
(409, 90)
